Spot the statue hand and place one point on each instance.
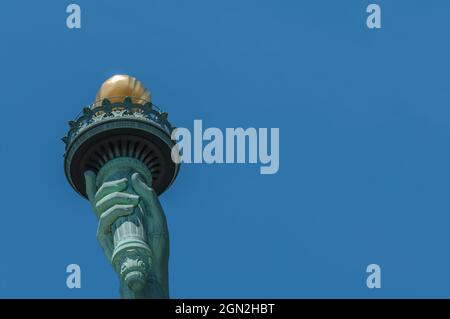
(109, 203)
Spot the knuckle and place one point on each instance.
(117, 208)
(98, 207)
(116, 200)
(115, 194)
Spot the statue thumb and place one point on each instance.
(139, 185)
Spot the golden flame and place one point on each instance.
(119, 86)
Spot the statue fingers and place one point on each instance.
(111, 187)
(110, 216)
(116, 198)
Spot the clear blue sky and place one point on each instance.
(365, 144)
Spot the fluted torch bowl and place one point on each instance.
(127, 128)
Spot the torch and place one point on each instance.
(120, 134)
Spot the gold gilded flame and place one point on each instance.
(117, 87)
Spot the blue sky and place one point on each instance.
(364, 144)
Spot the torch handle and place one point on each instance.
(129, 227)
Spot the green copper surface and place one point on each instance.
(132, 226)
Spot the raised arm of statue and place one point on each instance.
(116, 199)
